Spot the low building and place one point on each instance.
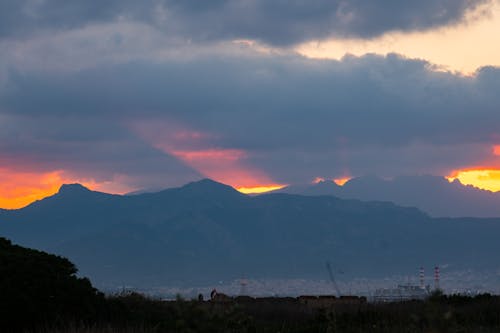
(401, 293)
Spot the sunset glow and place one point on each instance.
(486, 179)
(20, 189)
(496, 150)
(227, 166)
(197, 150)
(341, 181)
(260, 189)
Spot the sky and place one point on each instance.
(124, 95)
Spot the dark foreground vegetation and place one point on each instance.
(40, 293)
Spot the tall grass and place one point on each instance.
(96, 329)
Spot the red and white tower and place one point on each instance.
(421, 276)
(436, 278)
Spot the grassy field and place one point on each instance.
(134, 313)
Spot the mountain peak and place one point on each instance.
(208, 186)
(325, 183)
(72, 189)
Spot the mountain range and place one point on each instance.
(434, 195)
(206, 231)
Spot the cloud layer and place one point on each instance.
(294, 118)
(275, 22)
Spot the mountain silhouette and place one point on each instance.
(206, 231)
(72, 189)
(432, 194)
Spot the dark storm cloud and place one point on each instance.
(276, 22)
(296, 118)
(384, 100)
(287, 22)
(25, 17)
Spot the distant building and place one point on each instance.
(401, 293)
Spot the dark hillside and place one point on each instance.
(37, 288)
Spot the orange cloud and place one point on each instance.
(19, 189)
(496, 150)
(483, 178)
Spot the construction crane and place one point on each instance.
(332, 278)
